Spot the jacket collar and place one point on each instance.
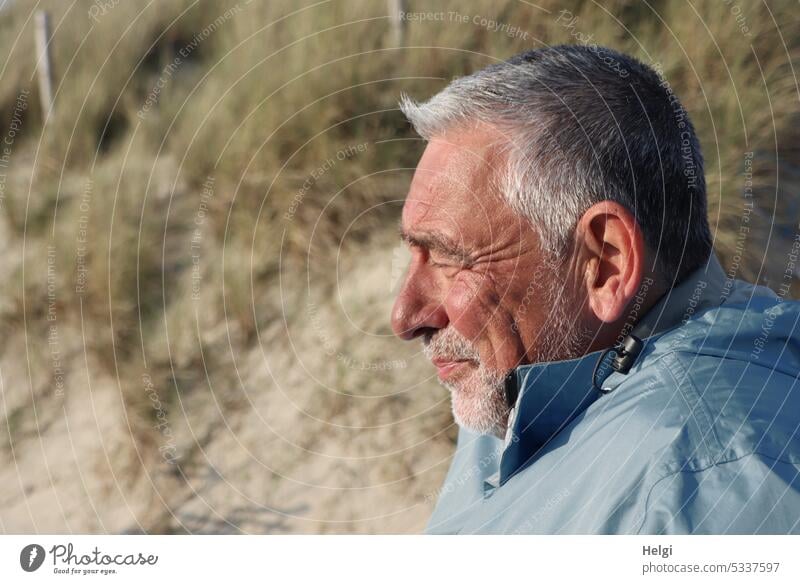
(551, 395)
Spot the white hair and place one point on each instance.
(585, 124)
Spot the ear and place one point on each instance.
(614, 255)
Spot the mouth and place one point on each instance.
(447, 368)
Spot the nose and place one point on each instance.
(418, 309)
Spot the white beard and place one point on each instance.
(478, 398)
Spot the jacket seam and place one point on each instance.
(730, 356)
(698, 401)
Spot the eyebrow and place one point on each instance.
(436, 242)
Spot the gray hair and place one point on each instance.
(586, 124)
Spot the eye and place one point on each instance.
(449, 268)
(439, 262)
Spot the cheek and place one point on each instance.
(472, 304)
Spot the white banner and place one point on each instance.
(400, 559)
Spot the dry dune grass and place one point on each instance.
(200, 249)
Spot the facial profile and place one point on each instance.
(480, 292)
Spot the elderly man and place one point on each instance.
(606, 375)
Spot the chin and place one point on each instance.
(482, 412)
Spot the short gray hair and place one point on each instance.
(586, 124)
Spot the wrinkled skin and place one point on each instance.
(477, 273)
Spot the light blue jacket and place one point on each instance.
(702, 435)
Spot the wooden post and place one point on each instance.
(396, 8)
(43, 63)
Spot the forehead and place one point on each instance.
(453, 190)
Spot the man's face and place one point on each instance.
(479, 290)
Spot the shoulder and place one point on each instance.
(734, 373)
(723, 391)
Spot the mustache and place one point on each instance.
(448, 344)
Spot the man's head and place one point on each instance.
(552, 184)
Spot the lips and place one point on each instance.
(446, 368)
